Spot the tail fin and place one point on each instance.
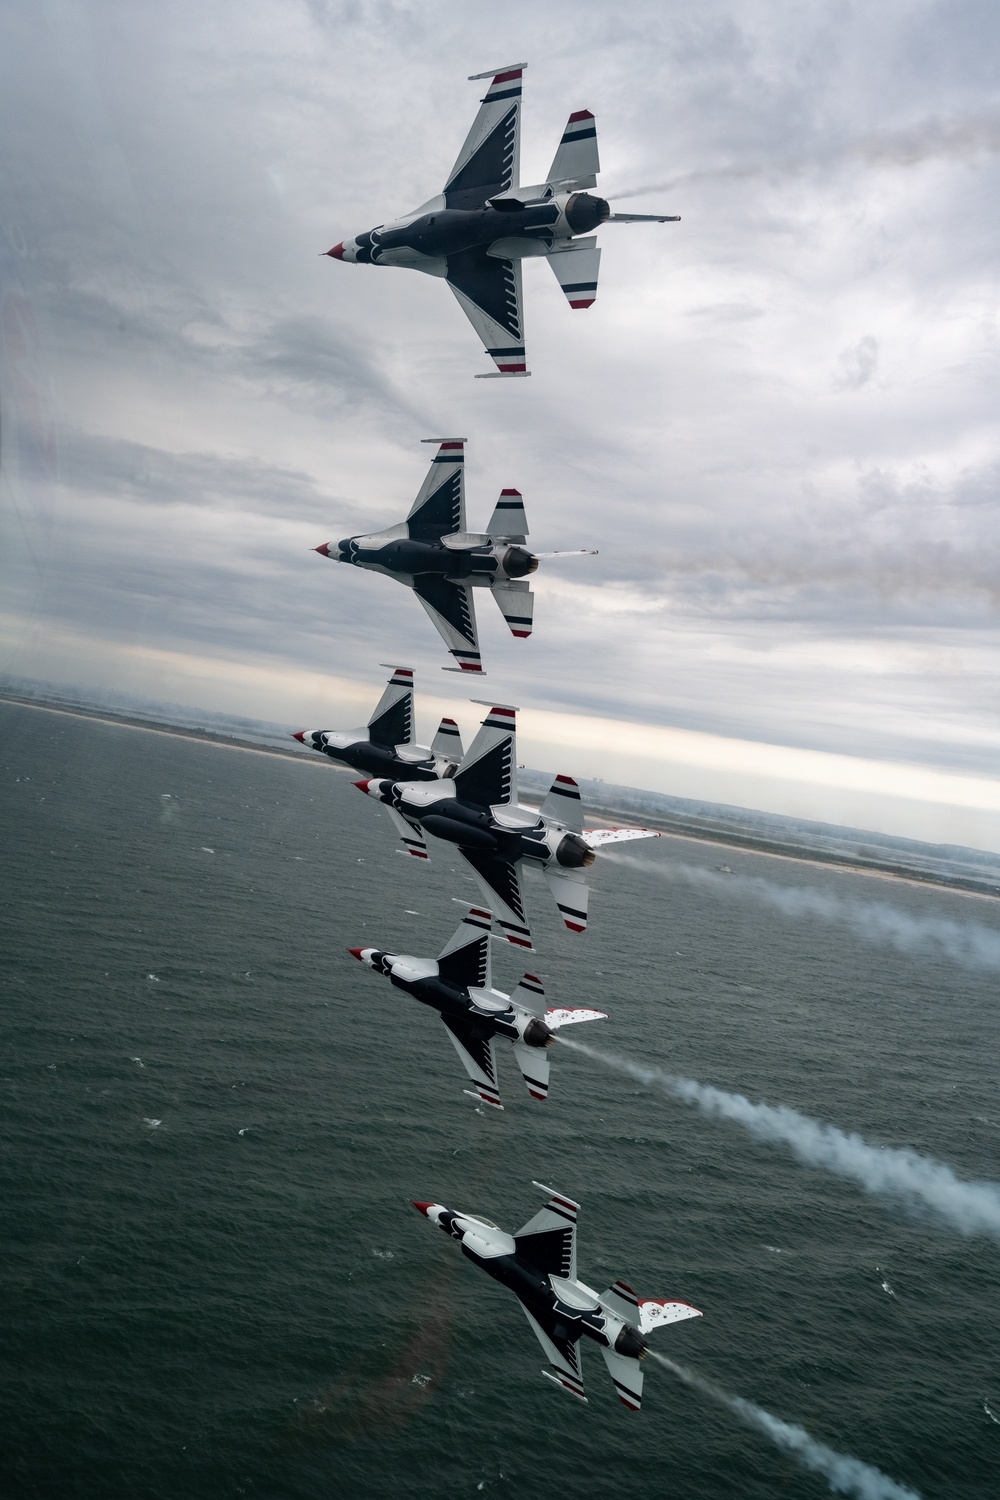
(465, 958)
(517, 605)
(508, 522)
(576, 161)
(447, 743)
(563, 804)
(392, 722)
(488, 773)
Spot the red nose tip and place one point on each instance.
(324, 550)
(356, 952)
(300, 735)
(423, 1207)
(337, 252)
(362, 786)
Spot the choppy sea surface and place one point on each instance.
(213, 1121)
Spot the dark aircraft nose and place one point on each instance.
(337, 252)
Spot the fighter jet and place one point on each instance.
(386, 747)
(433, 554)
(478, 810)
(477, 231)
(538, 1264)
(459, 984)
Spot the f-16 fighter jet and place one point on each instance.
(538, 1264)
(433, 554)
(478, 810)
(477, 231)
(386, 747)
(459, 984)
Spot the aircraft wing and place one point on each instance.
(465, 958)
(499, 880)
(439, 508)
(488, 291)
(475, 1049)
(392, 722)
(548, 1240)
(596, 837)
(411, 833)
(488, 162)
(563, 1357)
(453, 614)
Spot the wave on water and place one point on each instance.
(904, 1176)
(844, 1475)
(972, 945)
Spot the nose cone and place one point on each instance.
(300, 735)
(323, 550)
(424, 1208)
(337, 252)
(357, 953)
(363, 786)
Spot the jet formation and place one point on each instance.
(432, 553)
(538, 1264)
(458, 984)
(475, 233)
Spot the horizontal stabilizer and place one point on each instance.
(529, 992)
(447, 743)
(411, 834)
(517, 605)
(465, 958)
(571, 894)
(563, 804)
(576, 268)
(627, 1376)
(508, 523)
(534, 1065)
(576, 160)
(621, 1300)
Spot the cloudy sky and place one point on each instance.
(779, 422)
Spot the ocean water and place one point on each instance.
(213, 1121)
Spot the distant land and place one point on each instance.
(973, 870)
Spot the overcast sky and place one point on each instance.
(778, 423)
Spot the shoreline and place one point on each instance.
(677, 828)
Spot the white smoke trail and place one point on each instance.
(844, 1475)
(917, 1182)
(972, 945)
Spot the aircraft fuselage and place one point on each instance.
(445, 232)
(408, 559)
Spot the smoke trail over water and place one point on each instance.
(917, 1182)
(844, 1475)
(972, 945)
